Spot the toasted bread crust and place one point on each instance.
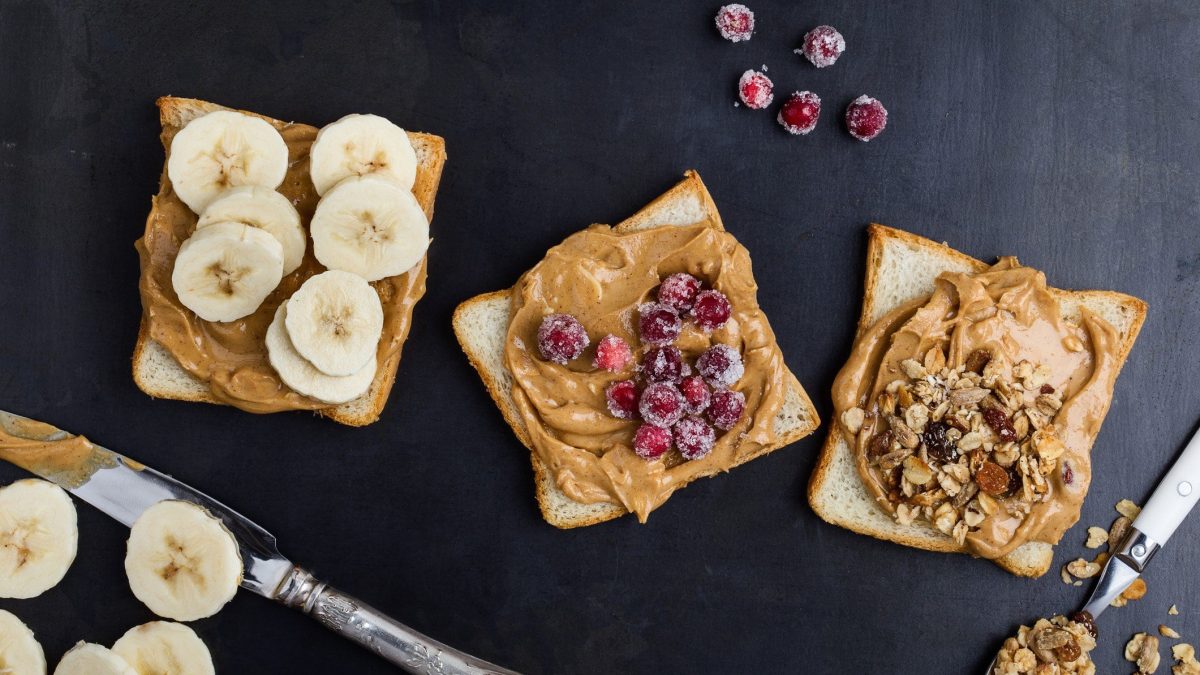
(546, 489)
(879, 236)
(175, 111)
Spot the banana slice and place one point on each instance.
(86, 658)
(265, 209)
(225, 270)
(334, 321)
(38, 538)
(361, 145)
(181, 562)
(370, 227)
(164, 648)
(303, 377)
(20, 653)
(224, 149)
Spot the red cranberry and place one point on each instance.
(756, 90)
(679, 291)
(664, 364)
(711, 310)
(721, 366)
(696, 394)
(658, 324)
(822, 46)
(694, 437)
(622, 399)
(561, 338)
(726, 408)
(736, 22)
(866, 118)
(800, 112)
(651, 442)
(661, 404)
(612, 354)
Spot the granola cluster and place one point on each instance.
(954, 445)
(1051, 647)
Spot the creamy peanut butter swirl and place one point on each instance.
(232, 357)
(600, 276)
(1009, 312)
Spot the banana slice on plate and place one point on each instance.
(181, 562)
(86, 658)
(334, 321)
(361, 145)
(224, 149)
(224, 271)
(20, 653)
(265, 209)
(164, 647)
(297, 373)
(370, 227)
(38, 538)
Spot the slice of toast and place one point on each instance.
(158, 374)
(902, 267)
(481, 324)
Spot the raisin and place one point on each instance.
(1068, 652)
(978, 360)
(992, 479)
(1000, 423)
(1014, 481)
(1085, 619)
(880, 444)
(937, 445)
(1046, 389)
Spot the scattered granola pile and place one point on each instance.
(1057, 645)
(1142, 649)
(955, 445)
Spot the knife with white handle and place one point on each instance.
(124, 488)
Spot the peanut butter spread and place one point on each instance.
(601, 276)
(976, 408)
(232, 357)
(42, 449)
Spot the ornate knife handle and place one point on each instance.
(353, 619)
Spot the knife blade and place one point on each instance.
(124, 488)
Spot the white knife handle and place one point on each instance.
(353, 619)
(1174, 497)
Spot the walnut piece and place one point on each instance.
(1142, 649)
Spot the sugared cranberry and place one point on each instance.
(679, 291)
(622, 399)
(711, 310)
(664, 364)
(721, 366)
(694, 437)
(866, 118)
(736, 22)
(658, 324)
(696, 394)
(822, 46)
(756, 90)
(651, 441)
(612, 354)
(800, 112)
(661, 404)
(561, 338)
(726, 408)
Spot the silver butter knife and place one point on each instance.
(124, 488)
(1172, 500)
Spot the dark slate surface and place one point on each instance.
(1062, 132)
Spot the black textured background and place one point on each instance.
(1063, 132)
